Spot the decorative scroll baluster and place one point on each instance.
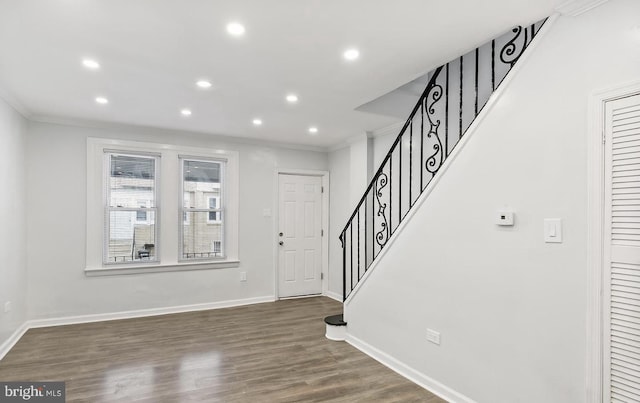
(510, 53)
(435, 160)
(383, 234)
(438, 99)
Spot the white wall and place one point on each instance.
(340, 207)
(382, 143)
(13, 262)
(361, 159)
(511, 309)
(56, 174)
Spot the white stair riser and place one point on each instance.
(336, 333)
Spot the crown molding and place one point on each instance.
(573, 8)
(94, 124)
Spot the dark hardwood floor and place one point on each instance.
(272, 352)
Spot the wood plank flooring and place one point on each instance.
(272, 352)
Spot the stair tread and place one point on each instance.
(335, 320)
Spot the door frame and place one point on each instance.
(595, 235)
(324, 175)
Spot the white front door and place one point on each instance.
(299, 235)
(622, 251)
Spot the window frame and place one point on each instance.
(219, 211)
(169, 202)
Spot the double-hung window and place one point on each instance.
(130, 207)
(203, 182)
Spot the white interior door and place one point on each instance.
(300, 235)
(621, 374)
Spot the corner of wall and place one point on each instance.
(13, 237)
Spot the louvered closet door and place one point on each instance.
(622, 251)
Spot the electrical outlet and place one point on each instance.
(243, 276)
(433, 336)
(7, 306)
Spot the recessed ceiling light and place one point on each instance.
(185, 112)
(313, 130)
(102, 100)
(351, 54)
(203, 84)
(90, 64)
(292, 98)
(257, 122)
(235, 29)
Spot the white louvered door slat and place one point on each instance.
(622, 251)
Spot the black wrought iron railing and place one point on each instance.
(453, 98)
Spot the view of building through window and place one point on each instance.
(131, 208)
(202, 224)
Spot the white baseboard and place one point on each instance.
(12, 340)
(101, 317)
(334, 295)
(411, 374)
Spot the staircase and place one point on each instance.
(453, 98)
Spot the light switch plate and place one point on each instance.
(553, 230)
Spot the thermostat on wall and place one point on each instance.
(504, 218)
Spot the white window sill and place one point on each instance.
(158, 268)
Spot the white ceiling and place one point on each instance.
(153, 51)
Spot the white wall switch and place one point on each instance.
(553, 230)
(504, 218)
(243, 276)
(266, 212)
(433, 336)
